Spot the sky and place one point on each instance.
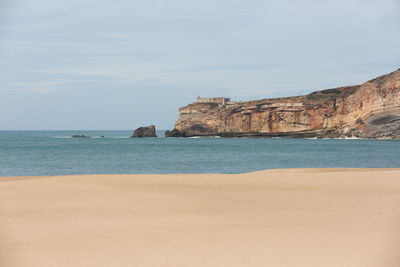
(122, 64)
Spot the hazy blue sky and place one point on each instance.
(90, 64)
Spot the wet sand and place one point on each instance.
(297, 217)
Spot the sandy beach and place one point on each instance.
(297, 217)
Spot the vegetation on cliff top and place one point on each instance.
(332, 93)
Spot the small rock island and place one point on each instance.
(148, 131)
(80, 136)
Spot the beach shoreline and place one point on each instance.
(280, 217)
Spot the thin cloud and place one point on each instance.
(240, 67)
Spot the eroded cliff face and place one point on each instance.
(370, 110)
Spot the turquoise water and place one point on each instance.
(25, 153)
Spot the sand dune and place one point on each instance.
(295, 217)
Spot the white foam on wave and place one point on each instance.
(212, 136)
(92, 137)
(347, 138)
(336, 138)
(109, 137)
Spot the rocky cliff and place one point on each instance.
(370, 110)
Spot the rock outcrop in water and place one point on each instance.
(80, 136)
(149, 131)
(370, 110)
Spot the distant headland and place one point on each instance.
(370, 110)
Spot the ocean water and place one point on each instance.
(24, 153)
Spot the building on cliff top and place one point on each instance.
(219, 100)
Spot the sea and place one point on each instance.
(39, 153)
